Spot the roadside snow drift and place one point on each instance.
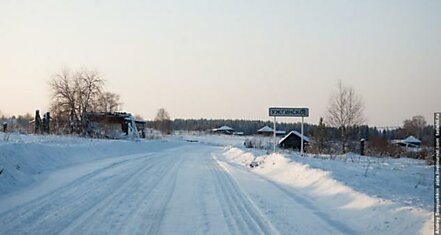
(319, 189)
(25, 158)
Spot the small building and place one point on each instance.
(409, 142)
(293, 141)
(115, 125)
(224, 130)
(268, 131)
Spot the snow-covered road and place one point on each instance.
(184, 189)
(177, 191)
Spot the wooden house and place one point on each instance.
(224, 130)
(114, 125)
(293, 141)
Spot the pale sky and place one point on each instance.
(228, 58)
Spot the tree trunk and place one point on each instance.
(344, 139)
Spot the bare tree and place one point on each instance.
(90, 89)
(345, 110)
(73, 95)
(163, 122)
(108, 102)
(414, 126)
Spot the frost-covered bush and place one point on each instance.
(259, 142)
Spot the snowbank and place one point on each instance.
(404, 180)
(323, 190)
(24, 158)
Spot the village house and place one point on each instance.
(409, 142)
(226, 130)
(293, 141)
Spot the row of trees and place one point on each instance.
(248, 127)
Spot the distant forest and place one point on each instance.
(250, 127)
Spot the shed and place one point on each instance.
(293, 141)
(114, 125)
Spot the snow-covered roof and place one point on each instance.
(411, 140)
(265, 129)
(294, 133)
(224, 128)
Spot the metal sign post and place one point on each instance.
(274, 135)
(288, 112)
(301, 141)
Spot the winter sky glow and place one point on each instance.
(228, 59)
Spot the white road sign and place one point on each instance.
(289, 112)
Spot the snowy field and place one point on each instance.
(201, 184)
